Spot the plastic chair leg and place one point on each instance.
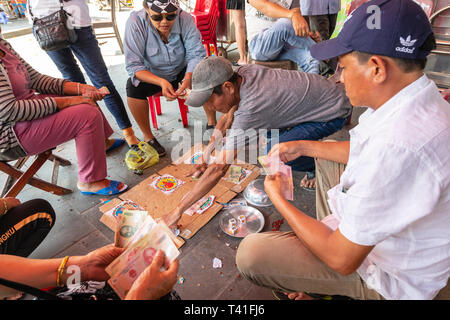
(158, 105)
(153, 112)
(183, 112)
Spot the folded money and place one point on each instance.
(126, 268)
(273, 165)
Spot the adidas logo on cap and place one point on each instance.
(406, 43)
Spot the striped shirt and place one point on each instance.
(13, 110)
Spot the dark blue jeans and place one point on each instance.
(307, 131)
(88, 52)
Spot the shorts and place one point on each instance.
(145, 90)
(236, 4)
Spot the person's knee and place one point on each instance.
(41, 205)
(249, 254)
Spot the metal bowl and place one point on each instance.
(256, 195)
(254, 221)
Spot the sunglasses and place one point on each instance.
(160, 17)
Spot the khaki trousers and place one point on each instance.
(280, 261)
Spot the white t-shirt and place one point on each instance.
(395, 193)
(78, 10)
(257, 21)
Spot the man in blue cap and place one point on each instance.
(383, 198)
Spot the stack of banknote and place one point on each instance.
(272, 166)
(142, 237)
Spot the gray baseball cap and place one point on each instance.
(209, 73)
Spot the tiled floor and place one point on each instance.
(79, 231)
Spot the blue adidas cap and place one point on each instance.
(392, 28)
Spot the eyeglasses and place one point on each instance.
(160, 17)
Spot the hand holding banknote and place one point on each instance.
(274, 186)
(286, 151)
(153, 283)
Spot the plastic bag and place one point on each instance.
(138, 159)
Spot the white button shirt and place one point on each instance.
(78, 10)
(395, 193)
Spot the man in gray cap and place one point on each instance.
(300, 105)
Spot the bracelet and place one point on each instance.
(61, 268)
(5, 205)
(185, 80)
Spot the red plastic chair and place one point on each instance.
(206, 15)
(155, 109)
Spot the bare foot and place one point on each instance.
(299, 296)
(241, 62)
(109, 143)
(96, 186)
(310, 184)
(131, 140)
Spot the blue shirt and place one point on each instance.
(144, 49)
(319, 7)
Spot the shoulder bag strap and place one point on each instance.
(27, 289)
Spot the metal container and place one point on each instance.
(252, 223)
(256, 195)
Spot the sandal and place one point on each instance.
(117, 143)
(110, 190)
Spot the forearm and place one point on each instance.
(37, 273)
(72, 88)
(208, 180)
(148, 77)
(273, 10)
(337, 151)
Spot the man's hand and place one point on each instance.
(198, 169)
(286, 151)
(167, 90)
(172, 218)
(153, 283)
(273, 185)
(299, 23)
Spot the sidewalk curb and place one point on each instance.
(17, 33)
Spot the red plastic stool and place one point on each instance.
(155, 109)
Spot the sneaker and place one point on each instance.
(158, 147)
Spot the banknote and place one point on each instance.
(201, 205)
(273, 165)
(128, 224)
(138, 256)
(235, 174)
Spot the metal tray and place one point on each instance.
(254, 221)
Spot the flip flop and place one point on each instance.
(117, 143)
(108, 191)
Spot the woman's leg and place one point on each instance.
(140, 110)
(84, 123)
(238, 17)
(24, 227)
(88, 52)
(67, 65)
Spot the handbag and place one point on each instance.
(54, 32)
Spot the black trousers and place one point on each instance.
(24, 227)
